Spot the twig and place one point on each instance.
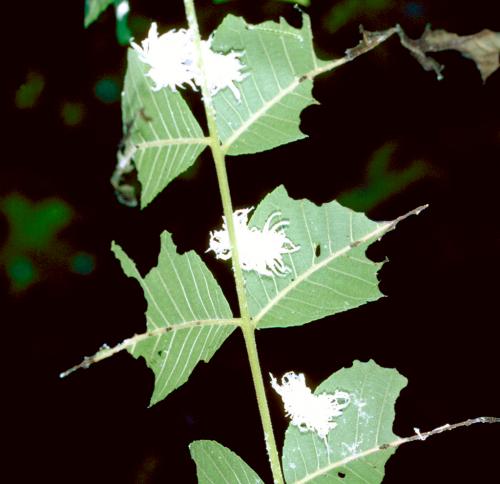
(105, 351)
(419, 436)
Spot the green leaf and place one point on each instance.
(277, 58)
(94, 8)
(182, 294)
(167, 137)
(215, 463)
(354, 452)
(329, 274)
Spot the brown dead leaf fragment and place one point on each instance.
(483, 48)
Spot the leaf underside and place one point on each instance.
(277, 57)
(365, 425)
(354, 450)
(167, 136)
(180, 289)
(329, 274)
(215, 463)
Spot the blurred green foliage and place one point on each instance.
(82, 263)
(94, 8)
(72, 113)
(21, 272)
(29, 92)
(344, 11)
(304, 3)
(381, 182)
(34, 224)
(31, 249)
(123, 33)
(107, 90)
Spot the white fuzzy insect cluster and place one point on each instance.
(307, 411)
(171, 57)
(259, 250)
(222, 70)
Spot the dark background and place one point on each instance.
(63, 294)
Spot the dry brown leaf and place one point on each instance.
(483, 48)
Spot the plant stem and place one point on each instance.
(220, 165)
(246, 321)
(265, 416)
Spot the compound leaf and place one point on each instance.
(356, 449)
(216, 463)
(278, 59)
(329, 274)
(183, 295)
(166, 136)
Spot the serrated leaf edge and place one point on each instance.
(383, 228)
(419, 436)
(266, 107)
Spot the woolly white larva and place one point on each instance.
(259, 250)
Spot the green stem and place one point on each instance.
(246, 321)
(260, 392)
(220, 165)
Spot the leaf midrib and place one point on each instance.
(384, 227)
(260, 113)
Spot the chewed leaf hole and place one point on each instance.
(341, 475)
(317, 250)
